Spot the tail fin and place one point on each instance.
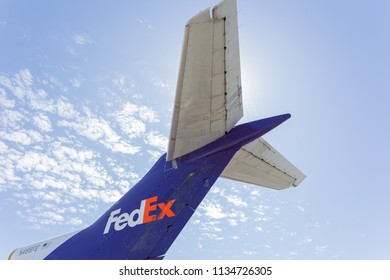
(208, 99)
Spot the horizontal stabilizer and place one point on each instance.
(258, 163)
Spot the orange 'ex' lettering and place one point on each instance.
(165, 210)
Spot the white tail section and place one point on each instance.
(208, 99)
(258, 163)
(40, 250)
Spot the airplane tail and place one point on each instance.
(144, 223)
(208, 101)
(205, 143)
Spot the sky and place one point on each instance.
(86, 98)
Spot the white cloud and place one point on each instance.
(144, 112)
(76, 82)
(157, 140)
(35, 135)
(250, 253)
(7, 103)
(32, 160)
(213, 210)
(261, 209)
(215, 189)
(155, 155)
(306, 240)
(3, 147)
(255, 194)
(10, 119)
(42, 122)
(132, 118)
(147, 114)
(6, 82)
(236, 201)
(75, 221)
(321, 248)
(17, 137)
(20, 85)
(63, 152)
(98, 129)
(72, 209)
(131, 126)
(38, 101)
(65, 170)
(51, 182)
(110, 196)
(161, 84)
(66, 110)
(58, 170)
(212, 236)
(24, 78)
(53, 216)
(124, 83)
(129, 109)
(8, 176)
(82, 39)
(123, 147)
(48, 213)
(54, 83)
(47, 196)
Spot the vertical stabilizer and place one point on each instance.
(208, 99)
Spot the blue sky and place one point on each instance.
(86, 95)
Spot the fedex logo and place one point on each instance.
(139, 216)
